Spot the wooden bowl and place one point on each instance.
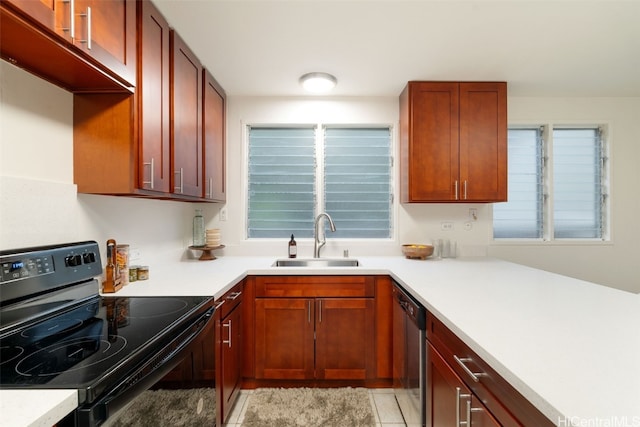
(417, 251)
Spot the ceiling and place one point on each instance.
(373, 47)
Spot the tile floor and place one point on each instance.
(383, 402)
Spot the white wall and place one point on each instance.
(39, 204)
(612, 263)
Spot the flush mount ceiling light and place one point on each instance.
(318, 82)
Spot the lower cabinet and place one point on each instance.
(229, 351)
(198, 367)
(314, 338)
(463, 390)
(449, 401)
(315, 328)
(215, 358)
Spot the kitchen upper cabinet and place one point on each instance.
(186, 119)
(316, 327)
(106, 31)
(453, 142)
(153, 92)
(54, 15)
(214, 134)
(81, 45)
(122, 142)
(150, 144)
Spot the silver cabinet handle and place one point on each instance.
(210, 191)
(72, 16)
(471, 410)
(474, 375)
(460, 396)
(309, 311)
(465, 189)
(456, 187)
(234, 295)
(151, 168)
(219, 304)
(320, 311)
(227, 341)
(88, 39)
(180, 187)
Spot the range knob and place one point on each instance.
(89, 258)
(73, 261)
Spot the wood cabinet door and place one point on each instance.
(479, 415)
(203, 356)
(153, 92)
(446, 393)
(54, 15)
(345, 342)
(433, 141)
(483, 141)
(213, 124)
(449, 401)
(106, 30)
(186, 119)
(231, 358)
(284, 338)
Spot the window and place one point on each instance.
(288, 165)
(556, 188)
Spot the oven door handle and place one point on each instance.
(143, 377)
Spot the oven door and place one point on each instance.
(159, 363)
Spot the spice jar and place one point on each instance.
(143, 272)
(133, 273)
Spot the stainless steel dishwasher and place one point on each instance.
(409, 347)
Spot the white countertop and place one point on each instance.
(571, 347)
(35, 408)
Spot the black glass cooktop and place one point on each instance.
(84, 345)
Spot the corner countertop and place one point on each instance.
(571, 347)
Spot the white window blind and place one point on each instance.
(281, 189)
(357, 181)
(577, 189)
(296, 173)
(521, 216)
(564, 202)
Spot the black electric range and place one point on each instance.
(57, 332)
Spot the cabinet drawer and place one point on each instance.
(500, 398)
(315, 286)
(230, 300)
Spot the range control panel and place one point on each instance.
(41, 268)
(26, 267)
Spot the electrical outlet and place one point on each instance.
(446, 226)
(223, 214)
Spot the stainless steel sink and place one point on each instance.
(316, 262)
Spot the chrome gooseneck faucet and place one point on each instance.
(318, 244)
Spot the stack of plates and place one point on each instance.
(213, 237)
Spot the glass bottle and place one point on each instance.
(198, 229)
(293, 248)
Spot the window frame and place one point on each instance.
(548, 237)
(319, 129)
